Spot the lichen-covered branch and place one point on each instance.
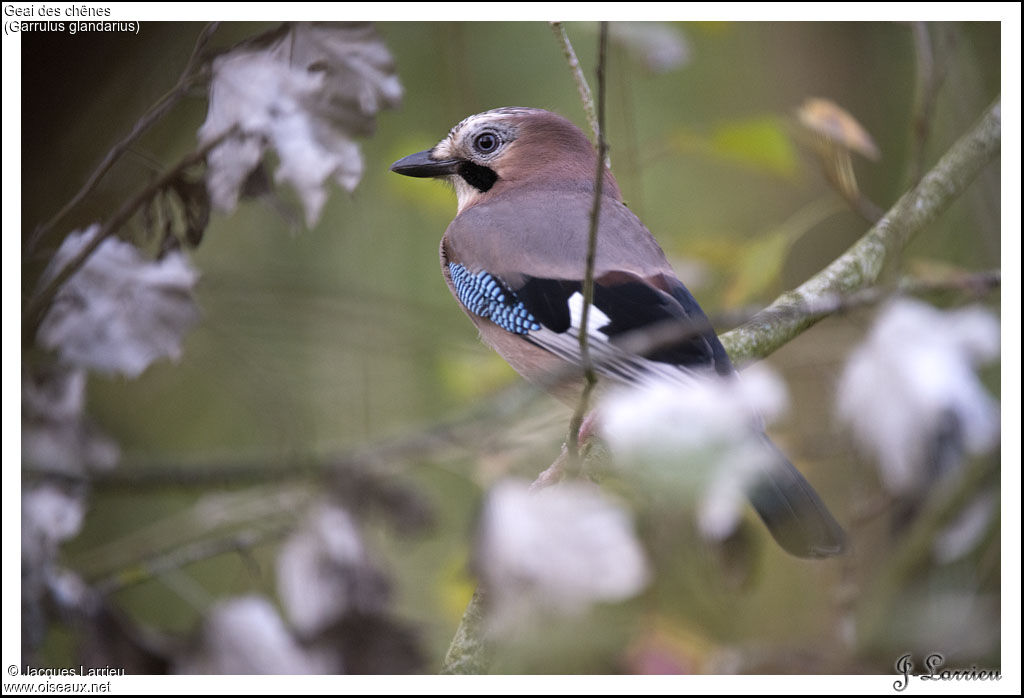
(862, 265)
(469, 652)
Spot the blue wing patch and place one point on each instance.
(487, 296)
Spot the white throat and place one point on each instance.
(466, 193)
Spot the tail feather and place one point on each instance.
(793, 512)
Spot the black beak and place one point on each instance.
(422, 165)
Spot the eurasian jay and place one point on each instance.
(514, 258)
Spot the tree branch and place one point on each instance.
(862, 265)
(469, 652)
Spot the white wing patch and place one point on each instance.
(595, 320)
(608, 360)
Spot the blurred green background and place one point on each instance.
(317, 342)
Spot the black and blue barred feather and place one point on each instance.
(486, 296)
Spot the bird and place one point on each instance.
(514, 259)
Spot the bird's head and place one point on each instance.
(488, 153)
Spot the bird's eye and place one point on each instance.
(486, 142)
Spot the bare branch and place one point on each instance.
(241, 542)
(930, 54)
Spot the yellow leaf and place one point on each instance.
(758, 143)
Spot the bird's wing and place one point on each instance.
(522, 268)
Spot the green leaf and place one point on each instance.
(759, 265)
(760, 143)
(761, 260)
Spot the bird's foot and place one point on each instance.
(556, 471)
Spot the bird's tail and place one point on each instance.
(793, 512)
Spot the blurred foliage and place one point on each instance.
(318, 342)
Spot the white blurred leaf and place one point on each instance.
(964, 533)
(119, 312)
(55, 434)
(910, 395)
(246, 635)
(306, 97)
(323, 571)
(660, 46)
(558, 550)
(49, 516)
(699, 444)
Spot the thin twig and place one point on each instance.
(582, 86)
(931, 73)
(239, 542)
(470, 652)
(152, 115)
(590, 377)
(924, 98)
(581, 80)
(214, 517)
(861, 266)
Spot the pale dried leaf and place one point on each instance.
(323, 572)
(967, 530)
(55, 434)
(119, 312)
(923, 404)
(306, 97)
(246, 635)
(660, 46)
(358, 72)
(698, 445)
(50, 515)
(827, 119)
(558, 550)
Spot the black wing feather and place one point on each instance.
(632, 305)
